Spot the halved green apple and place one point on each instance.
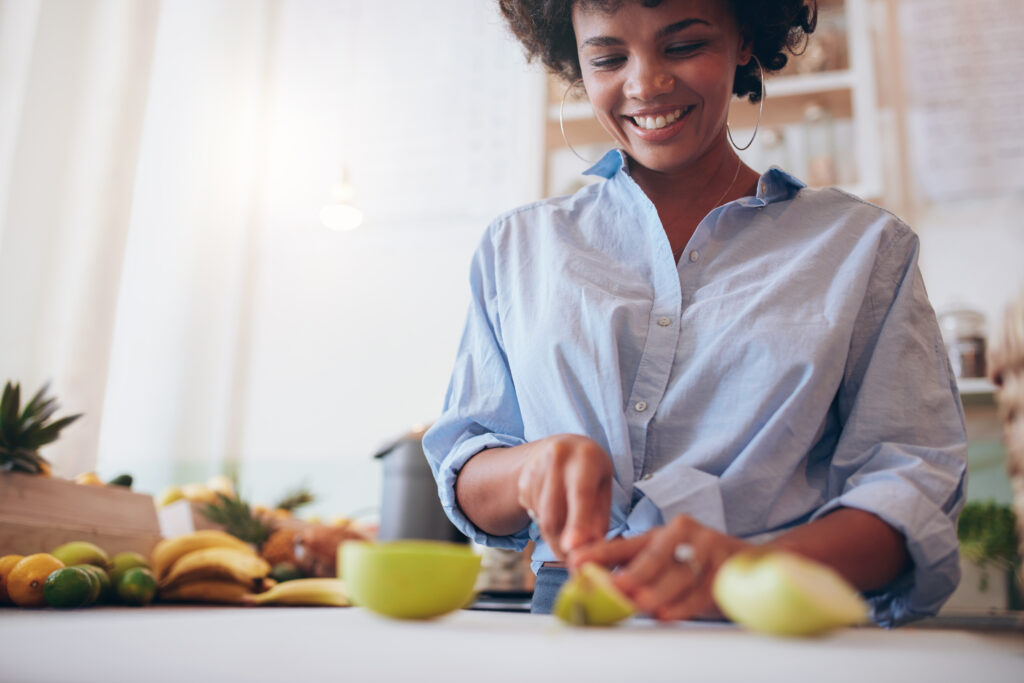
(409, 579)
(589, 598)
(785, 594)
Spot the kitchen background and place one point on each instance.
(178, 180)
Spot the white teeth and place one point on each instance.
(654, 123)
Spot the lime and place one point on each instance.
(69, 587)
(286, 571)
(122, 562)
(103, 585)
(137, 586)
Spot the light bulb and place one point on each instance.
(341, 217)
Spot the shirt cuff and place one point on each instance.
(448, 472)
(644, 516)
(680, 490)
(931, 543)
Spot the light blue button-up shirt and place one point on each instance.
(788, 364)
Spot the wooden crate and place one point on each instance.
(37, 514)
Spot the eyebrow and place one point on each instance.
(607, 41)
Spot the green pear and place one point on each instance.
(785, 594)
(589, 598)
(81, 552)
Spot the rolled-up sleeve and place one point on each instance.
(902, 453)
(481, 410)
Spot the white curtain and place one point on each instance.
(162, 167)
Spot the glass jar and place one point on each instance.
(820, 146)
(963, 331)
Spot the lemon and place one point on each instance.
(70, 587)
(26, 580)
(137, 586)
(7, 562)
(122, 562)
(103, 584)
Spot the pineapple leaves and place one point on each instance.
(22, 432)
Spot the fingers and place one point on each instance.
(588, 506)
(551, 511)
(657, 557)
(566, 485)
(612, 553)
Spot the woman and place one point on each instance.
(688, 359)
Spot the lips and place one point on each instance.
(658, 125)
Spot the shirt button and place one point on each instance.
(664, 322)
(640, 406)
(694, 255)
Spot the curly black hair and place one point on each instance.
(544, 27)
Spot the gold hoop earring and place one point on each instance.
(561, 121)
(760, 111)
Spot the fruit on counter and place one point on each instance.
(222, 485)
(25, 582)
(24, 431)
(198, 493)
(228, 564)
(70, 587)
(81, 552)
(89, 479)
(285, 571)
(122, 562)
(409, 579)
(125, 480)
(137, 586)
(168, 495)
(305, 592)
(590, 598)
(223, 592)
(781, 593)
(235, 515)
(169, 550)
(105, 586)
(7, 563)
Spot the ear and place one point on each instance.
(745, 50)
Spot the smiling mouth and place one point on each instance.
(661, 120)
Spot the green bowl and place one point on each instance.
(409, 579)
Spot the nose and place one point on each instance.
(647, 81)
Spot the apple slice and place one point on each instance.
(589, 598)
(785, 594)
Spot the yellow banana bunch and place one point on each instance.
(170, 550)
(226, 592)
(310, 592)
(243, 567)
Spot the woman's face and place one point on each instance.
(660, 79)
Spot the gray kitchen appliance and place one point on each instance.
(410, 507)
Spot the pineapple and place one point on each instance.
(23, 432)
(237, 518)
(295, 499)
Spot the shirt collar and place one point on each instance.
(774, 184)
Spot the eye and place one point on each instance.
(684, 48)
(606, 62)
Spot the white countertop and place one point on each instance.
(198, 644)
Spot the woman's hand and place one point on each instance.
(652, 576)
(565, 485)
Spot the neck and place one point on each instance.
(685, 196)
